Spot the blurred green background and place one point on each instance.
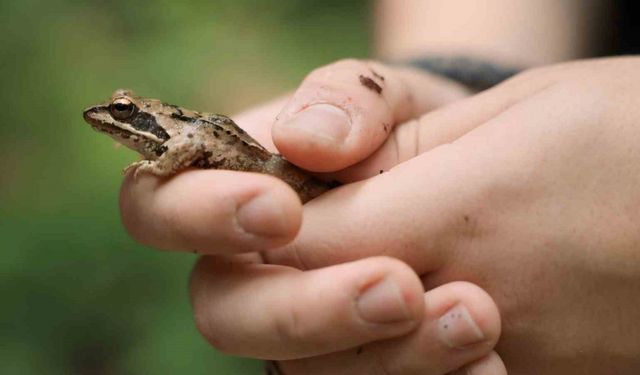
(78, 295)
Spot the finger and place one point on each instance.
(437, 199)
(461, 325)
(447, 124)
(211, 212)
(431, 200)
(344, 111)
(490, 365)
(276, 312)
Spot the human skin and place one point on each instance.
(297, 149)
(524, 33)
(273, 312)
(528, 190)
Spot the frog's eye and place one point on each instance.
(122, 109)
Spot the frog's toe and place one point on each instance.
(137, 167)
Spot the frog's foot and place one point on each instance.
(145, 166)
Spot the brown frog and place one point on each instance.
(171, 138)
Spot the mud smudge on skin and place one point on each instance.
(370, 84)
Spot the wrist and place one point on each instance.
(474, 73)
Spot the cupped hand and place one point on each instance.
(529, 190)
(362, 316)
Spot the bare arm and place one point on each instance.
(519, 32)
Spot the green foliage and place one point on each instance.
(79, 296)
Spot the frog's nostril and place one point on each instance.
(87, 113)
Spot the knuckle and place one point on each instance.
(299, 255)
(291, 328)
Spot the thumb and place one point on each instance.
(342, 112)
(445, 125)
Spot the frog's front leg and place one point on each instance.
(143, 165)
(177, 156)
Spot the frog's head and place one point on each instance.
(131, 121)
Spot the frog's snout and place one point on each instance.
(89, 114)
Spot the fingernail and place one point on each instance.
(383, 303)
(457, 329)
(324, 121)
(262, 216)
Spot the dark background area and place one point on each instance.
(626, 28)
(78, 295)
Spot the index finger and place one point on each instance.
(210, 211)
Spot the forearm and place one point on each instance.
(520, 32)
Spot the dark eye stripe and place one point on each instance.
(147, 123)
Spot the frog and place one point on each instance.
(171, 139)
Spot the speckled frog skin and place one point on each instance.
(171, 138)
